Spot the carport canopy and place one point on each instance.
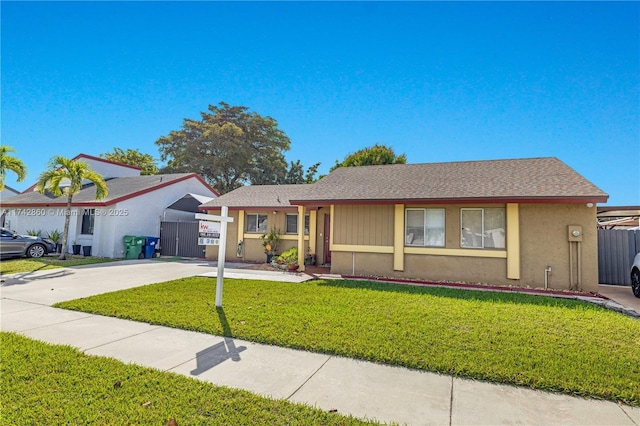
(189, 203)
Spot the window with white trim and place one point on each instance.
(424, 227)
(482, 228)
(88, 221)
(256, 223)
(292, 224)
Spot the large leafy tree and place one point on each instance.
(133, 157)
(371, 156)
(65, 177)
(10, 163)
(296, 174)
(229, 146)
(271, 172)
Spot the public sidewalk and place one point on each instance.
(363, 389)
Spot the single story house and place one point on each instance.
(518, 222)
(135, 205)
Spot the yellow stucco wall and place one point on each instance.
(253, 251)
(545, 242)
(542, 241)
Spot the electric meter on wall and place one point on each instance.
(575, 233)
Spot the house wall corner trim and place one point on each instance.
(301, 253)
(398, 238)
(513, 241)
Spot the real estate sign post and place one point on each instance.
(213, 231)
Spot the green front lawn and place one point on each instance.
(539, 342)
(57, 385)
(15, 266)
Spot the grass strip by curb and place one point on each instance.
(53, 384)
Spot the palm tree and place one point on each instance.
(65, 177)
(9, 162)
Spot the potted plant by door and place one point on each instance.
(290, 258)
(270, 241)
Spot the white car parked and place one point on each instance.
(635, 276)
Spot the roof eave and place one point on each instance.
(111, 201)
(463, 200)
(252, 208)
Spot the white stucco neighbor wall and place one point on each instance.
(34, 218)
(109, 170)
(140, 215)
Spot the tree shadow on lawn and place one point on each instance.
(508, 295)
(26, 277)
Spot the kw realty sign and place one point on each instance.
(214, 229)
(209, 233)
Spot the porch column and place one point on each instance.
(301, 238)
(398, 238)
(313, 228)
(513, 241)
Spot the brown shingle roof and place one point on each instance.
(260, 196)
(543, 179)
(532, 179)
(119, 188)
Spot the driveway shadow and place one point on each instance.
(27, 277)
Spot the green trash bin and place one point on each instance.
(133, 246)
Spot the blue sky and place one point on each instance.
(437, 81)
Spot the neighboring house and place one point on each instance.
(7, 192)
(519, 222)
(135, 206)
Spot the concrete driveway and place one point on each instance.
(56, 285)
(621, 294)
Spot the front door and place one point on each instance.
(327, 231)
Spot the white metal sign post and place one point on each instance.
(223, 219)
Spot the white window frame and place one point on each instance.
(306, 223)
(409, 239)
(256, 230)
(482, 236)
